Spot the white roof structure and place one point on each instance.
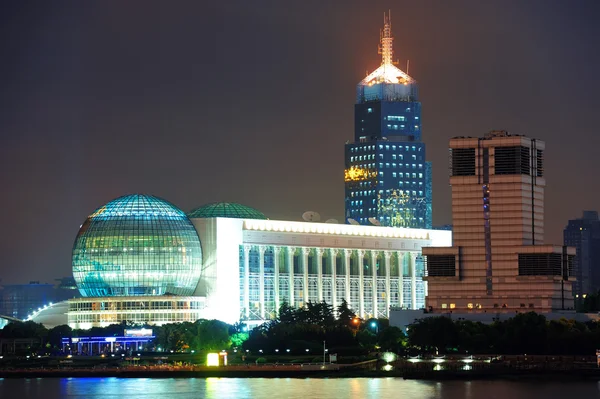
(388, 72)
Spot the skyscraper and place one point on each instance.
(584, 234)
(498, 262)
(387, 180)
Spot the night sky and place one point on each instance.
(252, 102)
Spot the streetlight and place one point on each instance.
(324, 350)
(375, 326)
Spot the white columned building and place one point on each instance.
(373, 268)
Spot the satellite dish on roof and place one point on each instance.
(310, 216)
(374, 222)
(352, 221)
(333, 221)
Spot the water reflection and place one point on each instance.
(261, 388)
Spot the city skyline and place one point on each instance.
(104, 100)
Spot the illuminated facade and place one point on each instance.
(84, 313)
(250, 266)
(253, 266)
(386, 175)
(137, 245)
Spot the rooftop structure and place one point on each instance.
(387, 82)
(225, 210)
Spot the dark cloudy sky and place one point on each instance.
(252, 101)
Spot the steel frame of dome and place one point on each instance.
(226, 210)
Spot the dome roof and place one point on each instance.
(226, 210)
(137, 245)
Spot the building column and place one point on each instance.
(319, 261)
(305, 251)
(347, 255)
(290, 261)
(276, 253)
(413, 280)
(247, 281)
(400, 261)
(374, 281)
(361, 282)
(386, 257)
(261, 280)
(333, 263)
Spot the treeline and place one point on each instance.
(303, 330)
(525, 333)
(202, 335)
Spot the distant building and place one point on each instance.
(21, 300)
(387, 180)
(584, 234)
(498, 262)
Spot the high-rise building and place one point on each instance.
(387, 180)
(584, 235)
(498, 262)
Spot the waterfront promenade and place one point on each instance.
(541, 367)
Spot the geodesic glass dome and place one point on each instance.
(137, 245)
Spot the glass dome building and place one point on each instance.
(226, 210)
(137, 245)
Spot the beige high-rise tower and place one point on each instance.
(498, 262)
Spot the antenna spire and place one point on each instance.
(387, 51)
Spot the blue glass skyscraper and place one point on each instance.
(387, 180)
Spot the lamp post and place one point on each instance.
(375, 326)
(324, 350)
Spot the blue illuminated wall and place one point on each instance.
(387, 176)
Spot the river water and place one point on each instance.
(289, 388)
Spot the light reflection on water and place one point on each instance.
(275, 388)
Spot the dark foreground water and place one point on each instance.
(289, 388)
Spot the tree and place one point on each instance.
(524, 333)
(212, 335)
(56, 334)
(287, 314)
(433, 334)
(345, 315)
(392, 339)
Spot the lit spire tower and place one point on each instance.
(387, 180)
